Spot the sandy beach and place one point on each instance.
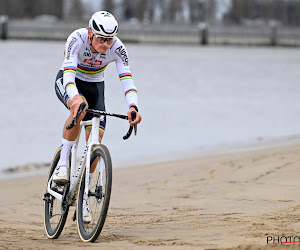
(230, 201)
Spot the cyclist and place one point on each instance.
(88, 51)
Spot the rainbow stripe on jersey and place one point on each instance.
(89, 70)
(125, 76)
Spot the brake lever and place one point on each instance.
(133, 117)
(135, 129)
(75, 119)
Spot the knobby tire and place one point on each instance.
(53, 232)
(90, 232)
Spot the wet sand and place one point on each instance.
(229, 201)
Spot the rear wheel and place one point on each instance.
(56, 211)
(98, 195)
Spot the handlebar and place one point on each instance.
(99, 113)
(133, 117)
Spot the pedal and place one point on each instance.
(58, 189)
(60, 182)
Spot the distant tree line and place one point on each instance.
(168, 11)
(165, 10)
(31, 8)
(286, 12)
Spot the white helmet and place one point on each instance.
(103, 23)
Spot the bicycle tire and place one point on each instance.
(53, 227)
(90, 232)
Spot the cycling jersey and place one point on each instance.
(82, 63)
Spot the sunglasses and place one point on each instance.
(102, 39)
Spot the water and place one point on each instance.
(191, 99)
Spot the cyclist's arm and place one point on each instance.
(125, 75)
(130, 92)
(70, 64)
(128, 86)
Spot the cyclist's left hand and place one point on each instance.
(138, 118)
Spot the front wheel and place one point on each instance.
(96, 203)
(55, 211)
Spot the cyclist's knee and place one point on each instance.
(100, 135)
(88, 130)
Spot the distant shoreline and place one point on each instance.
(30, 169)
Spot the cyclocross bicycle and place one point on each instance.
(97, 188)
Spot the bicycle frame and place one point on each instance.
(60, 197)
(76, 172)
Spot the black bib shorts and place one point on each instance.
(93, 92)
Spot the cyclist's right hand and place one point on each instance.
(75, 103)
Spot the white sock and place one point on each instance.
(65, 152)
(90, 177)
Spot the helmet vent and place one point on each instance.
(109, 33)
(95, 26)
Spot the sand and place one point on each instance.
(231, 201)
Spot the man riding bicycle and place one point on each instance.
(88, 51)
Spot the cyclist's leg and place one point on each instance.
(88, 132)
(88, 129)
(68, 136)
(94, 93)
(71, 134)
(87, 135)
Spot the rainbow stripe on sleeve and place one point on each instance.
(125, 76)
(130, 91)
(70, 69)
(67, 101)
(69, 84)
